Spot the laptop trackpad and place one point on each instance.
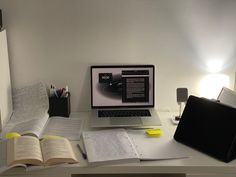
(125, 121)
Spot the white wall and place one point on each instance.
(56, 41)
(5, 82)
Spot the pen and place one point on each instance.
(81, 151)
(55, 93)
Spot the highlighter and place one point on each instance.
(12, 134)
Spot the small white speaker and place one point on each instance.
(182, 97)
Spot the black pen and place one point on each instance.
(81, 151)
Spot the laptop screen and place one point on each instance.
(122, 86)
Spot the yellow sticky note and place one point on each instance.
(154, 132)
(12, 134)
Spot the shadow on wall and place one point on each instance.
(84, 98)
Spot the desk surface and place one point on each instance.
(197, 163)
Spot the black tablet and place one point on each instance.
(208, 126)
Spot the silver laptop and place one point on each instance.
(123, 96)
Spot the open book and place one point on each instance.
(121, 146)
(29, 150)
(30, 110)
(227, 96)
(30, 115)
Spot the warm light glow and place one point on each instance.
(209, 37)
(214, 65)
(211, 85)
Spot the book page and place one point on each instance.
(3, 158)
(28, 98)
(34, 126)
(57, 150)
(30, 110)
(24, 149)
(70, 128)
(30, 102)
(227, 97)
(109, 145)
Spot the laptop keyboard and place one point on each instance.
(124, 113)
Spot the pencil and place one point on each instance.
(81, 151)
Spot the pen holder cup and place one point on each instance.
(59, 106)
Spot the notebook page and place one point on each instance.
(109, 145)
(156, 148)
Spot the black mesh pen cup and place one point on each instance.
(59, 106)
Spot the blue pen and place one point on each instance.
(58, 92)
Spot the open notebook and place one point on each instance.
(113, 146)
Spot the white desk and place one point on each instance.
(198, 164)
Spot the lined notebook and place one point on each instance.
(115, 146)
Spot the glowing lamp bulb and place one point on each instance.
(214, 66)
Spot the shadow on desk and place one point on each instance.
(129, 175)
